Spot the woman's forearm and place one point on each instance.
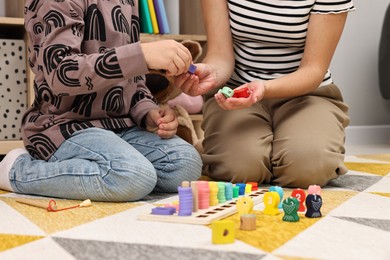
(219, 54)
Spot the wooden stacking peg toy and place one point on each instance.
(271, 202)
(194, 204)
(248, 188)
(195, 195)
(255, 185)
(241, 188)
(313, 204)
(290, 206)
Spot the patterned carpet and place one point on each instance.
(355, 225)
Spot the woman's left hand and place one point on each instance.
(203, 80)
(256, 90)
(162, 121)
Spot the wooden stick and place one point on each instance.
(194, 186)
(36, 203)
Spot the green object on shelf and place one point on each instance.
(145, 18)
(226, 91)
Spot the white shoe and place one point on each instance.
(5, 167)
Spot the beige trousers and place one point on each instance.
(286, 142)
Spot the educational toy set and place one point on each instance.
(298, 202)
(203, 202)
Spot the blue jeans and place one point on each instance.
(101, 165)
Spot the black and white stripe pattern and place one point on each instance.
(269, 35)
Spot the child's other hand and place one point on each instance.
(162, 121)
(168, 55)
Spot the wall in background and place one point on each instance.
(355, 64)
(14, 8)
(2, 8)
(191, 19)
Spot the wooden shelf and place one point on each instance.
(12, 21)
(12, 28)
(178, 37)
(6, 146)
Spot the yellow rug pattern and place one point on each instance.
(51, 222)
(272, 232)
(11, 241)
(356, 211)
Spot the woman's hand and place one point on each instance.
(168, 55)
(162, 121)
(203, 80)
(256, 90)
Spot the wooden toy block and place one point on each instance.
(248, 222)
(241, 188)
(248, 188)
(203, 195)
(192, 69)
(185, 201)
(223, 232)
(255, 185)
(226, 91)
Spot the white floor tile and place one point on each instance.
(9, 216)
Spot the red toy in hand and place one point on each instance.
(241, 93)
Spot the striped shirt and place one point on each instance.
(269, 35)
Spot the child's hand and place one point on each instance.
(168, 55)
(256, 89)
(162, 121)
(202, 81)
